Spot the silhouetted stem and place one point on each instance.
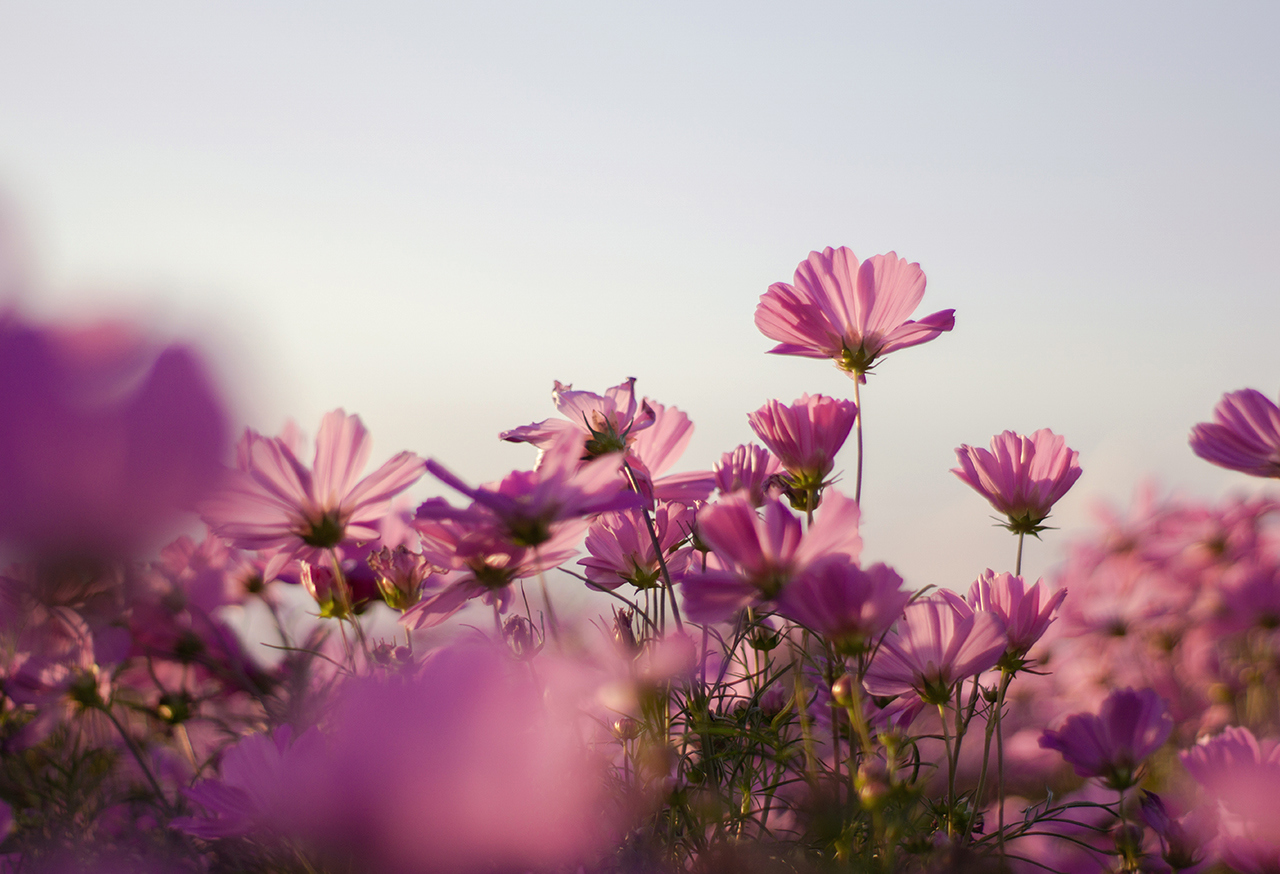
(1017, 566)
(857, 427)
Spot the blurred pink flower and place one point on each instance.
(1022, 477)
(271, 501)
(849, 606)
(104, 440)
(1113, 744)
(938, 643)
(852, 313)
(805, 436)
(1244, 436)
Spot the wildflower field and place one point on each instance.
(747, 694)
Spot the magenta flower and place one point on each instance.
(1025, 611)
(104, 440)
(938, 643)
(529, 503)
(271, 501)
(760, 554)
(849, 606)
(851, 313)
(805, 436)
(1113, 744)
(1244, 436)
(1022, 477)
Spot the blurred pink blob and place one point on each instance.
(851, 313)
(1022, 477)
(1244, 436)
(470, 765)
(103, 440)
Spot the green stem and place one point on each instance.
(137, 755)
(857, 427)
(1017, 566)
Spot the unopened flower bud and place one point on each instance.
(521, 637)
(842, 690)
(623, 635)
(872, 783)
(626, 728)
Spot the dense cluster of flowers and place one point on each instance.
(757, 697)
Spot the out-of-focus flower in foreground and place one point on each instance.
(1022, 477)
(1244, 436)
(851, 313)
(103, 440)
(271, 501)
(1113, 743)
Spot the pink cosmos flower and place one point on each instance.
(622, 550)
(849, 606)
(605, 423)
(759, 554)
(104, 439)
(271, 501)
(1244, 436)
(528, 503)
(851, 313)
(1239, 774)
(1113, 744)
(805, 436)
(938, 643)
(1022, 477)
(1025, 611)
(749, 469)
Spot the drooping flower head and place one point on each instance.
(1244, 436)
(1113, 743)
(271, 501)
(1022, 477)
(939, 642)
(849, 606)
(805, 436)
(851, 313)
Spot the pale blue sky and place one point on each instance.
(427, 213)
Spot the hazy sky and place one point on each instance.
(426, 213)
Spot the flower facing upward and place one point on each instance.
(272, 502)
(1244, 436)
(1026, 610)
(1022, 477)
(1112, 744)
(939, 642)
(849, 606)
(805, 436)
(851, 313)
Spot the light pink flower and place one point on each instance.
(749, 469)
(1022, 477)
(622, 550)
(605, 423)
(939, 642)
(805, 436)
(851, 313)
(1026, 611)
(1244, 436)
(847, 605)
(1111, 745)
(272, 502)
(760, 553)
